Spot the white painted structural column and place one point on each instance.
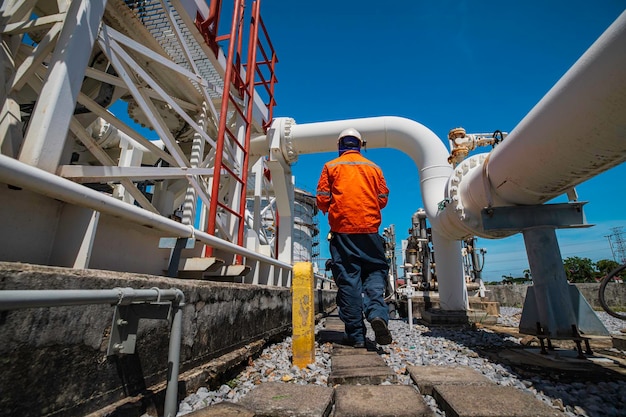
(48, 127)
(10, 121)
(284, 191)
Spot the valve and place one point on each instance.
(461, 143)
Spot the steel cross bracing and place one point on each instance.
(162, 59)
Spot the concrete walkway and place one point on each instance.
(362, 385)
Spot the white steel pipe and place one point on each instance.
(575, 132)
(31, 178)
(421, 144)
(430, 156)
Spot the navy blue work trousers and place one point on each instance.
(360, 270)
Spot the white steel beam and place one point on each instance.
(123, 127)
(16, 10)
(42, 182)
(122, 54)
(37, 24)
(113, 34)
(10, 119)
(105, 159)
(37, 56)
(48, 127)
(113, 80)
(156, 121)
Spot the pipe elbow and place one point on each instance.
(179, 296)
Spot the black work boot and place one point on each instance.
(383, 336)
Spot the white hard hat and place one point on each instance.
(350, 132)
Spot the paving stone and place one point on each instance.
(333, 331)
(223, 409)
(334, 323)
(490, 401)
(276, 399)
(619, 342)
(379, 400)
(371, 375)
(370, 348)
(426, 377)
(335, 327)
(339, 349)
(332, 336)
(358, 360)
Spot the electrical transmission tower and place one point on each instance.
(616, 242)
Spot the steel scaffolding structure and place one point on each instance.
(74, 76)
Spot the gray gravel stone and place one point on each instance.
(420, 345)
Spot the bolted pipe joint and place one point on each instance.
(280, 141)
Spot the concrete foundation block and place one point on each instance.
(379, 400)
(490, 401)
(281, 399)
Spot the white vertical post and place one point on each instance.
(452, 288)
(258, 194)
(130, 156)
(45, 138)
(555, 314)
(84, 252)
(284, 190)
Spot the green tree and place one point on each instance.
(605, 266)
(579, 269)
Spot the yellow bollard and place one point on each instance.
(303, 314)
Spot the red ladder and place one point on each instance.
(239, 95)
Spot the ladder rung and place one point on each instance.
(231, 211)
(231, 172)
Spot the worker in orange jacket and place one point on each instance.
(352, 190)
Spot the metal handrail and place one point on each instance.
(22, 299)
(23, 175)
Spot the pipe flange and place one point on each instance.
(288, 147)
(454, 196)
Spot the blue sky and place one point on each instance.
(480, 65)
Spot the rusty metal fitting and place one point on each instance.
(457, 155)
(457, 132)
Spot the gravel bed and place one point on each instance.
(421, 345)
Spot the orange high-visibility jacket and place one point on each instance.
(352, 190)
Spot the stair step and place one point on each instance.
(228, 271)
(195, 268)
(200, 264)
(209, 268)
